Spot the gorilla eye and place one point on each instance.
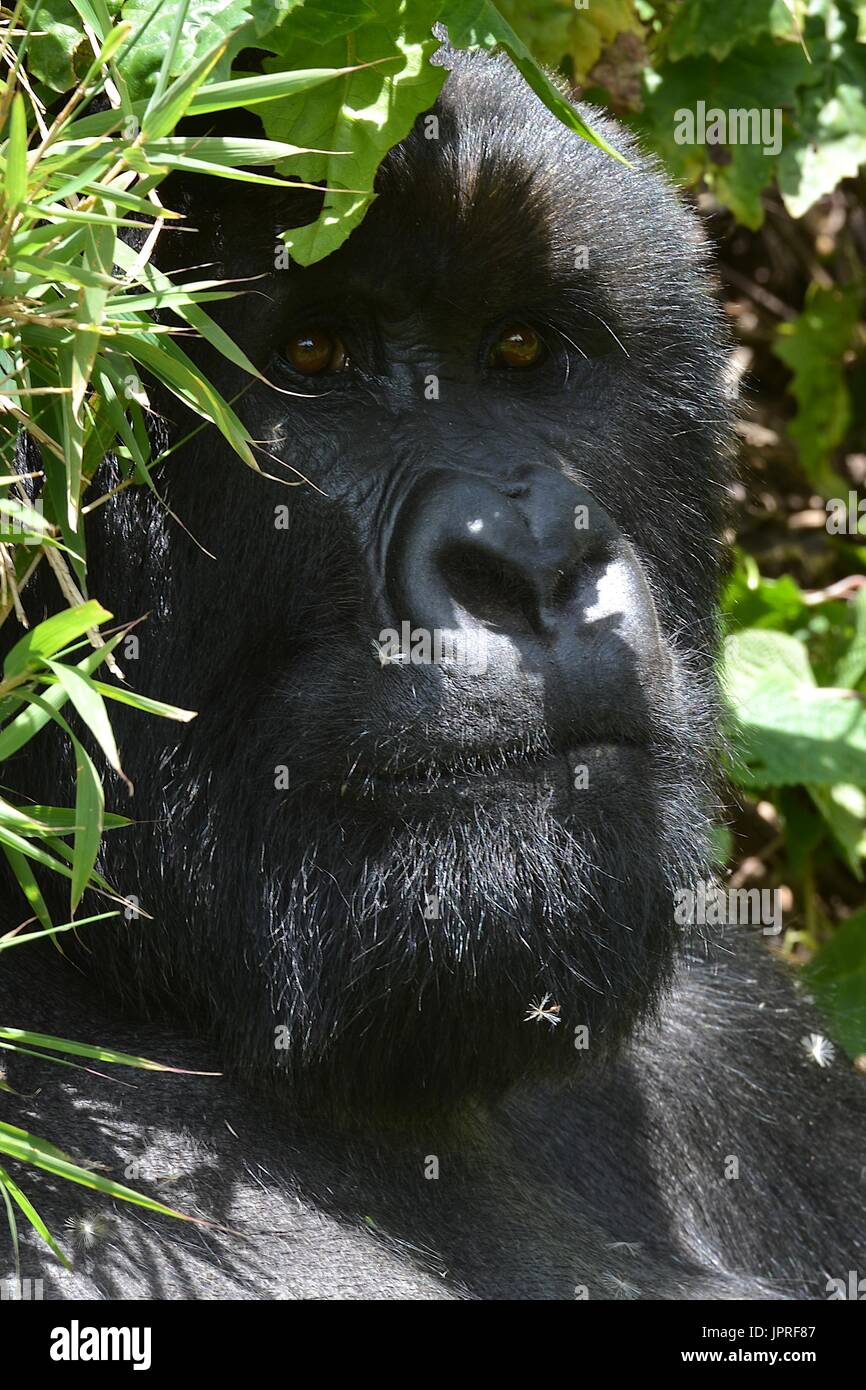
(518, 346)
(316, 352)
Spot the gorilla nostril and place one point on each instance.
(491, 590)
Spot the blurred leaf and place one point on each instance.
(843, 807)
(852, 666)
(787, 730)
(829, 143)
(561, 34)
(804, 826)
(764, 77)
(705, 26)
(813, 347)
(837, 975)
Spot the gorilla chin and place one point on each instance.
(431, 914)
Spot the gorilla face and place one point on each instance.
(454, 693)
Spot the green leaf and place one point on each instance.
(705, 26)
(78, 1049)
(830, 144)
(813, 347)
(98, 259)
(764, 77)
(843, 808)
(479, 24)
(787, 729)
(55, 818)
(34, 717)
(755, 601)
(219, 149)
(28, 885)
(245, 91)
(33, 1216)
(804, 827)
(90, 705)
(9, 839)
(9, 941)
(15, 180)
(89, 810)
(356, 119)
(207, 28)
(837, 975)
(52, 635)
(317, 21)
(171, 51)
(28, 523)
(27, 1148)
(58, 52)
(170, 365)
(144, 702)
(851, 667)
(572, 39)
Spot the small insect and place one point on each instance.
(819, 1049)
(621, 1288)
(86, 1230)
(387, 657)
(541, 1009)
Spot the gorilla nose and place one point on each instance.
(512, 557)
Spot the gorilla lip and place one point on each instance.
(487, 765)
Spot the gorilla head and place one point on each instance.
(454, 685)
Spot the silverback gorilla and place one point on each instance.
(419, 908)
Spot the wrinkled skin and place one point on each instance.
(364, 873)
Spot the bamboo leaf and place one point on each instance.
(15, 182)
(90, 705)
(33, 1216)
(50, 636)
(89, 810)
(27, 1148)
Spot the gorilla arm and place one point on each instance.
(611, 1188)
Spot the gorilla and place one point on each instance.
(409, 879)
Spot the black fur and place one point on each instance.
(291, 928)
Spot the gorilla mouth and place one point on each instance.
(545, 767)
